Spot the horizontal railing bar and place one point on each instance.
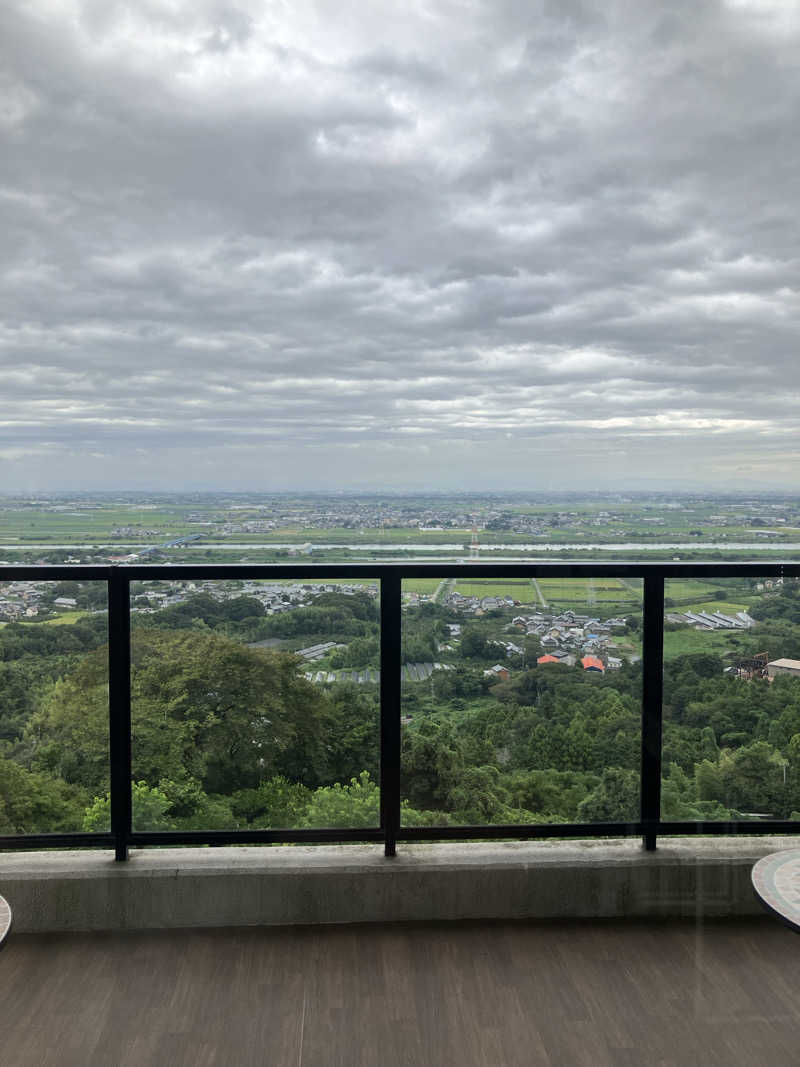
(240, 837)
(739, 826)
(54, 572)
(57, 840)
(463, 833)
(517, 830)
(266, 571)
(750, 827)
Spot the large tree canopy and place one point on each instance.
(203, 707)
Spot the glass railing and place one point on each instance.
(223, 704)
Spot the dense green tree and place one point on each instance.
(203, 706)
(68, 734)
(680, 801)
(209, 610)
(275, 803)
(419, 647)
(32, 802)
(752, 778)
(785, 605)
(433, 763)
(349, 725)
(461, 684)
(354, 804)
(614, 799)
(553, 796)
(360, 653)
(21, 682)
(473, 644)
(479, 796)
(40, 640)
(149, 810)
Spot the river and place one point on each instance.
(459, 547)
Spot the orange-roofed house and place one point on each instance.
(592, 663)
(548, 659)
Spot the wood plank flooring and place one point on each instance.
(612, 993)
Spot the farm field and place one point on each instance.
(94, 525)
(425, 586)
(345, 535)
(688, 642)
(626, 644)
(50, 529)
(692, 590)
(520, 589)
(65, 618)
(587, 590)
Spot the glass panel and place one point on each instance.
(731, 699)
(521, 700)
(255, 704)
(53, 707)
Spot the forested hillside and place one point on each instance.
(228, 733)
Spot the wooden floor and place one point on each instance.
(606, 993)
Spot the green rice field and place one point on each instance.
(587, 590)
(520, 589)
(365, 582)
(64, 618)
(91, 525)
(688, 642)
(425, 586)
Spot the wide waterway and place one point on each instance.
(384, 546)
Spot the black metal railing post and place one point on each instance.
(119, 710)
(652, 696)
(391, 666)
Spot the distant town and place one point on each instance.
(139, 527)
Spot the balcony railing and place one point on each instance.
(649, 825)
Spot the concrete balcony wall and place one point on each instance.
(196, 887)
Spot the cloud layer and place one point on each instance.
(446, 243)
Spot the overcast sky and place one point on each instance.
(420, 244)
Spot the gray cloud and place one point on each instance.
(464, 244)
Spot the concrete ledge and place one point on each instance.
(163, 888)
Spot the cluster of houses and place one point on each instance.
(24, 600)
(276, 597)
(477, 605)
(568, 637)
(565, 638)
(592, 664)
(712, 620)
(20, 600)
